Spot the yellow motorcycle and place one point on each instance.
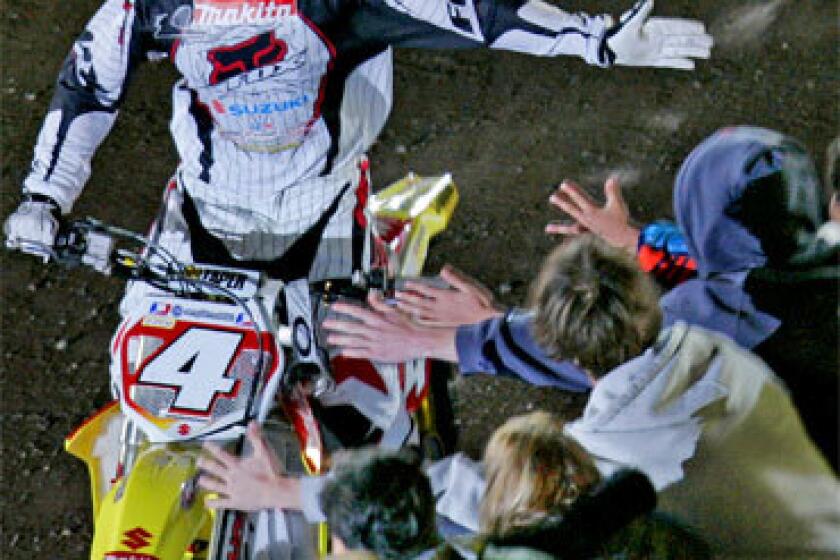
(206, 350)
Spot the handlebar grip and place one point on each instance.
(98, 251)
(33, 248)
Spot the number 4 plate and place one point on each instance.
(193, 368)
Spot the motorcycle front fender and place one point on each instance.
(95, 442)
(156, 512)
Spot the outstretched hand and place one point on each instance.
(611, 222)
(247, 483)
(383, 333)
(639, 40)
(465, 303)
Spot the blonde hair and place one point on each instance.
(593, 304)
(533, 469)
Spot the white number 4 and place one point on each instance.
(195, 364)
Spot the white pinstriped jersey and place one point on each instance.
(278, 99)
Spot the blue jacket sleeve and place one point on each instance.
(506, 346)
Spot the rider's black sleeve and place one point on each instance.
(528, 26)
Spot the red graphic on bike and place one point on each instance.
(261, 50)
(137, 538)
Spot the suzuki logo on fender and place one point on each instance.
(137, 538)
(261, 50)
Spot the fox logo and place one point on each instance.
(261, 50)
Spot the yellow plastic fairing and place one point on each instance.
(95, 442)
(156, 511)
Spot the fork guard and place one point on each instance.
(82, 444)
(146, 515)
(155, 511)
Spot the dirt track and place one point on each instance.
(507, 126)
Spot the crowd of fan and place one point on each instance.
(711, 427)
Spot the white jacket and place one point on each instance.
(718, 435)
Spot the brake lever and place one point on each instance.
(70, 245)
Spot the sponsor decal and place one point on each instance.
(162, 309)
(223, 278)
(289, 64)
(462, 14)
(184, 430)
(273, 107)
(116, 555)
(207, 17)
(156, 321)
(265, 49)
(213, 13)
(180, 311)
(260, 124)
(137, 538)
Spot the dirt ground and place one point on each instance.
(508, 126)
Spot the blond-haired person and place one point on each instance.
(533, 470)
(544, 498)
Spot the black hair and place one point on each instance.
(784, 209)
(382, 502)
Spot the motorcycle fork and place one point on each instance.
(131, 439)
(431, 442)
(434, 418)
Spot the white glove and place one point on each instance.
(32, 227)
(637, 40)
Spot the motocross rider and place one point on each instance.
(277, 103)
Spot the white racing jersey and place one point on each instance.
(277, 100)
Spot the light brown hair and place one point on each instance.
(593, 305)
(533, 469)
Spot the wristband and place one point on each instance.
(43, 199)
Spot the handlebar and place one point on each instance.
(90, 242)
(79, 242)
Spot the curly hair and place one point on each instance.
(593, 305)
(382, 502)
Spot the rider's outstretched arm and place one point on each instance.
(538, 28)
(529, 26)
(90, 87)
